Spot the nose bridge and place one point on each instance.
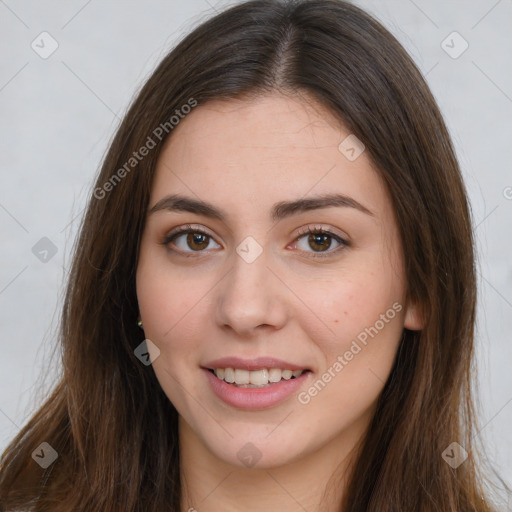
(249, 295)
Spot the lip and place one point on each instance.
(254, 398)
(256, 363)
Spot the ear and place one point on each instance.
(414, 318)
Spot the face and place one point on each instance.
(268, 248)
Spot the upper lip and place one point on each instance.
(256, 363)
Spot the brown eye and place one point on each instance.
(197, 241)
(317, 241)
(189, 241)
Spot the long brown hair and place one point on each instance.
(112, 426)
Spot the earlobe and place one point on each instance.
(414, 319)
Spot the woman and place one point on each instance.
(272, 299)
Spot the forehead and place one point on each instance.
(247, 153)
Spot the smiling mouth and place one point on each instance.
(262, 378)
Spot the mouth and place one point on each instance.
(261, 378)
(257, 383)
(253, 389)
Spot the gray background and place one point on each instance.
(57, 116)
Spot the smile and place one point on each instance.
(255, 396)
(256, 378)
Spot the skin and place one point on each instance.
(243, 156)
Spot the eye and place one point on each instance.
(194, 239)
(321, 241)
(190, 240)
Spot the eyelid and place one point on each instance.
(186, 228)
(318, 228)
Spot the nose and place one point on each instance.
(251, 298)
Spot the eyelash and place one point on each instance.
(306, 231)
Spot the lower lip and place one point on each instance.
(255, 398)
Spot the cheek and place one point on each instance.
(357, 328)
(173, 315)
(169, 299)
(175, 306)
(343, 307)
(357, 359)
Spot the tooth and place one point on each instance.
(286, 374)
(241, 376)
(274, 375)
(255, 378)
(258, 377)
(229, 375)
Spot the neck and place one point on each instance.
(311, 482)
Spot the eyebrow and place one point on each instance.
(280, 210)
